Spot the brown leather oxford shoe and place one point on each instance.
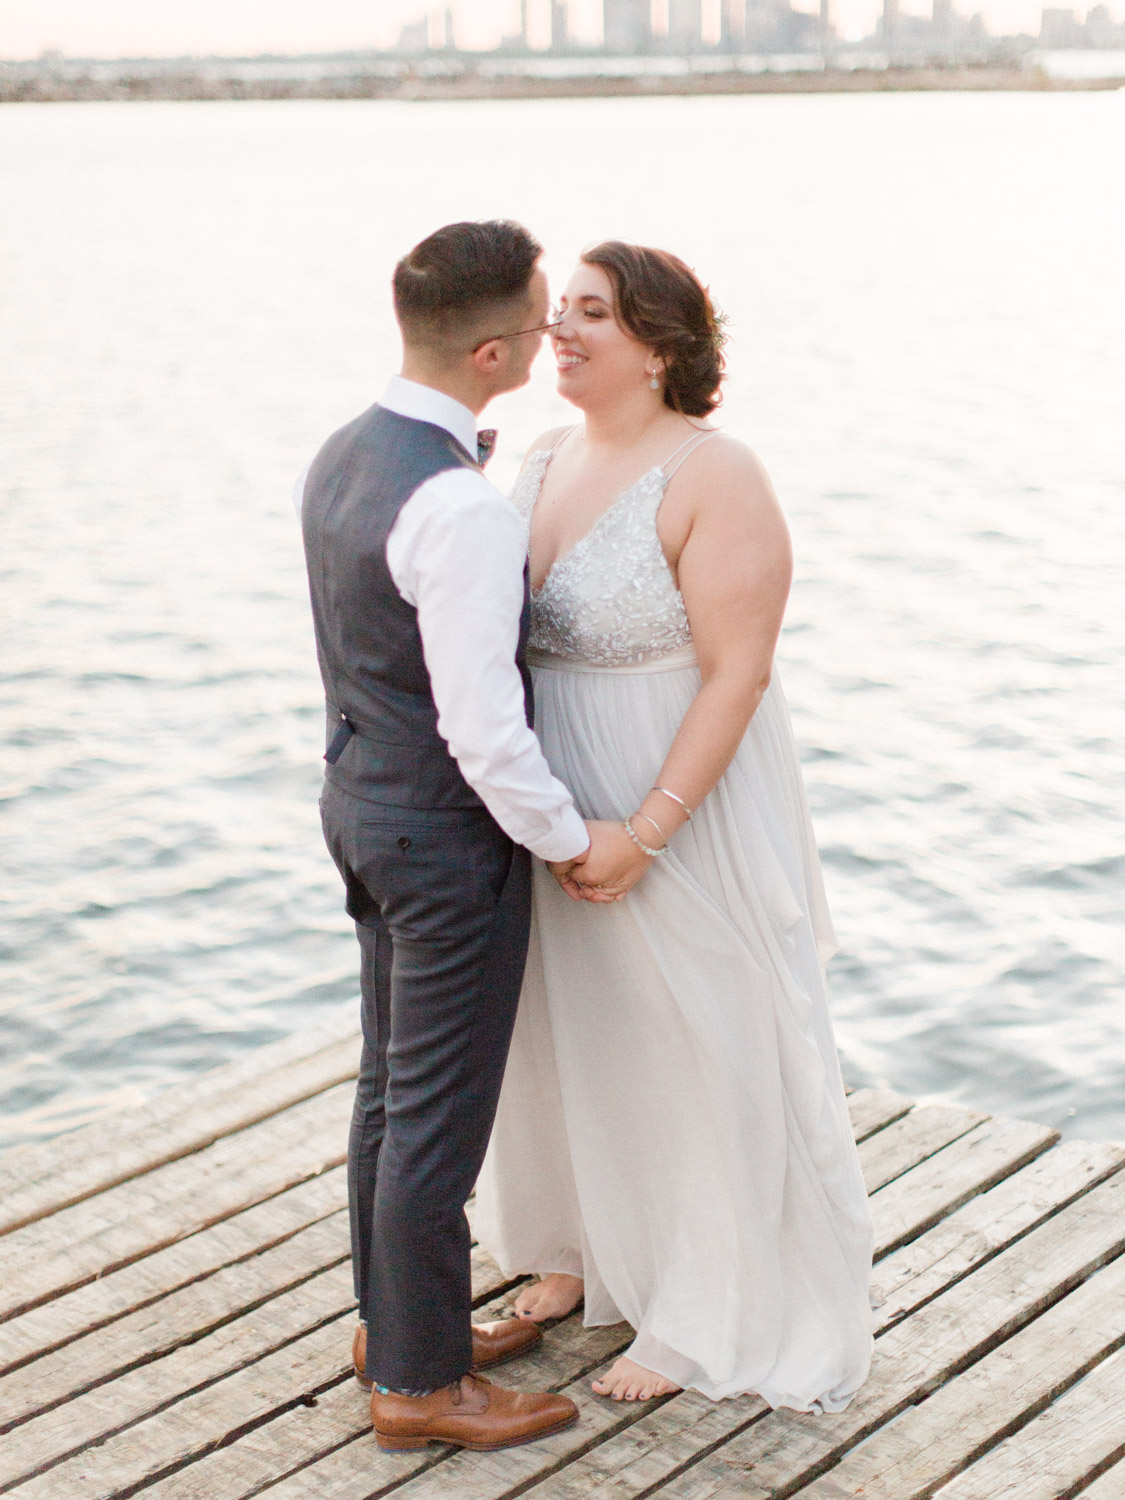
(470, 1413)
(493, 1343)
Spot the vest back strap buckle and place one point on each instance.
(339, 740)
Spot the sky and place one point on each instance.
(116, 28)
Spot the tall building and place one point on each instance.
(414, 37)
(1059, 27)
(626, 26)
(732, 24)
(941, 21)
(560, 31)
(759, 26)
(685, 25)
(890, 23)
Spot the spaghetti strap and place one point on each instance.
(561, 439)
(685, 450)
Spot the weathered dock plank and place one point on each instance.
(136, 1217)
(988, 1224)
(652, 1450)
(132, 1397)
(41, 1179)
(933, 1441)
(907, 1141)
(871, 1109)
(131, 1458)
(53, 1324)
(1077, 1437)
(937, 1187)
(786, 1449)
(167, 1412)
(183, 1317)
(329, 1432)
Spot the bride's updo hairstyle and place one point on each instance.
(663, 304)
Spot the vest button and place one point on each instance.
(404, 842)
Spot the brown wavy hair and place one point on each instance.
(662, 302)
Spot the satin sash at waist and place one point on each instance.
(673, 661)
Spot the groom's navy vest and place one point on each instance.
(367, 637)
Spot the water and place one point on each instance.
(925, 303)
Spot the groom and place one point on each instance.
(436, 790)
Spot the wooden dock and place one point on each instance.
(177, 1313)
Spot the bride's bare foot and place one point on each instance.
(626, 1380)
(553, 1297)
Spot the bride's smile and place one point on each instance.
(597, 358)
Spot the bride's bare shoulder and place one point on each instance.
(548, 440)
(725, 469)
(544, 443)
(722, 452)
(723, 493)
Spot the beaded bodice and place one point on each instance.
(611, 600)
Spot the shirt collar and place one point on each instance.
(422, 403)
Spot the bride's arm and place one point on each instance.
(723, 529)
(734, 568)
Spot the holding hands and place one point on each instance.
(609, 867)
(620, 853)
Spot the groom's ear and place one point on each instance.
(488, 358)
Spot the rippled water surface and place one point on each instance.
(926, 308)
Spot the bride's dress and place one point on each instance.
(673, 1126)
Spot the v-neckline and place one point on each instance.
(548, 454)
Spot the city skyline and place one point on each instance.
(136, 28)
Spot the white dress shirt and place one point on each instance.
(456, 552)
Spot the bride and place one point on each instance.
(672, 1142)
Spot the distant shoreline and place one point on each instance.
(189, 85)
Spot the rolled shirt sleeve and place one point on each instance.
(456, 552)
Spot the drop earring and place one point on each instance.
(654, 383)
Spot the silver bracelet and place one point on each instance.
(654, 823)
(641, 845)
(674, 798)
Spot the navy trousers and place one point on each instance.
(442, 906)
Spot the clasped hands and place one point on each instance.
(607, 870)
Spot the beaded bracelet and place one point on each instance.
(674, 798)
(641, 845)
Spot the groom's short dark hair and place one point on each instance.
(448, 288)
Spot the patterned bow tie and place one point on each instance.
(486, 442)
